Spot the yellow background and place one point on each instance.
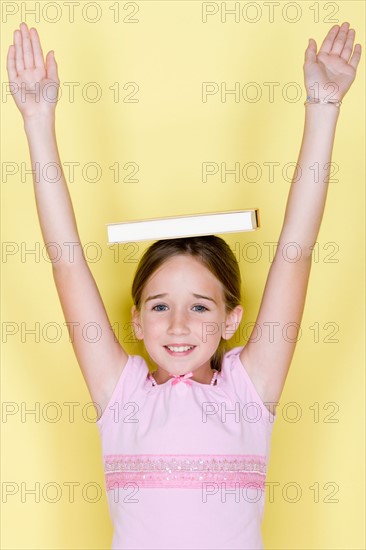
(169, 133)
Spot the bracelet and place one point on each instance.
(336, 102)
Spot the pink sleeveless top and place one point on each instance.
(185, 463)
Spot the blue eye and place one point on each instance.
(159, 305)
(205, 308)
(162, 305)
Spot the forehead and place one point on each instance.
(183, 272)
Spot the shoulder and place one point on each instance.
(134, 373)
(130, 381)
(238, 379)
(230, 358)
(231, 365)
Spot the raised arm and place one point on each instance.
(267, 359)
(34, 86)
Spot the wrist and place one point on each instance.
(39, 122)
(322, 101)
(322, 107)
(317, 114)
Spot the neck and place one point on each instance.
(202, 376)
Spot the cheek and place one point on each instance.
(152, 325)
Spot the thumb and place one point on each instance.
(51, 66)
(310, 52)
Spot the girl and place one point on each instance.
(186, 447)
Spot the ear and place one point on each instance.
(137, 328)
(232, 322)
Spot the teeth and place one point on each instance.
(180, 348)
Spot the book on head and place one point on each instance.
(172, 227)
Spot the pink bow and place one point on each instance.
(182, 378)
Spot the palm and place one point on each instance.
(332, 63)
(32, 89)
(34, 85)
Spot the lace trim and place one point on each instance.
(184, 471)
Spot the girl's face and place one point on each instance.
(183, 305)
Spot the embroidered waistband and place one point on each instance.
(184, 471)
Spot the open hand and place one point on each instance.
(33, 84)
(332, 64)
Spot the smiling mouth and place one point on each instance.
(179, 349)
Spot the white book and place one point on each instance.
(172, 227)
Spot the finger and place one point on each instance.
(37, 49)
(355, 59)
(348, 47)
(328, 40)
(340, 40)
(19, 61)
(51, 66)
(10, 64)
(310, 52)
(27, 47)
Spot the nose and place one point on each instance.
(178, 324)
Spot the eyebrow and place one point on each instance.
(193, 294)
